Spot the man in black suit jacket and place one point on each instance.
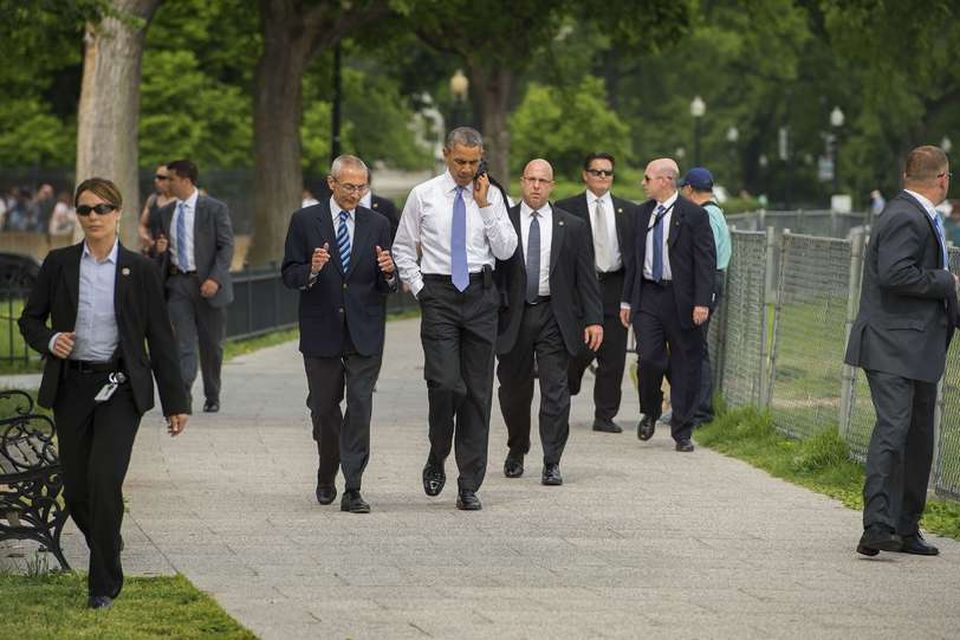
(195, 258)
(342, 317)
(105, 304)
(908, 311)
(667, 291)
(551, 309)
(610, 220)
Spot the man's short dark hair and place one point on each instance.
(185, 169)
(464, 136)
(598, 155)
(924, 163)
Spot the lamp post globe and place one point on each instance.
(697, 109)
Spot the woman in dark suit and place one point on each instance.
(104, 304)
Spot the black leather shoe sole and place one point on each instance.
(607, 427)
(512, 468)
(326, 495)
(433, 480)
(871, 545)
(468, 502)
(354, 505)
(646, 428)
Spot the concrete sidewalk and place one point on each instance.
(640, 542)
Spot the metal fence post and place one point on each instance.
(770, 360)
(767, 340)
(848, 379)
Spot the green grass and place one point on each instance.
(820, 463)
(54, 606)
(12, 344)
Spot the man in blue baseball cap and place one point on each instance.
(697, 186)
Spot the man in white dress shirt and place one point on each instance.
(452, 230)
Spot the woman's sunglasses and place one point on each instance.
(101, 209)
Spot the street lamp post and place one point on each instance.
(459, 88)
(836, 121)
(697, 109)
(733, 134)
(946, 144)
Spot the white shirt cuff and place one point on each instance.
(53, 341)
(625, 306)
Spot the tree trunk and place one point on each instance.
(278, 176)
(292, 35)
(494, 97)
(109, 112)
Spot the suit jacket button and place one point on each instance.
(344, 285)
(340, 310)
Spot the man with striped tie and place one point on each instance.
(337, 255)
(452, 230)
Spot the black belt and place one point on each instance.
(538, 300)
(439, 277)
(176, 271)
(88, 366)
(663, 284)
(606, 275)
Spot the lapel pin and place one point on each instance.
(376, 205)
(125, 271)
(619, 209)
(561, 223)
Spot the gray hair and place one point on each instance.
(464, 136)
(341, 162)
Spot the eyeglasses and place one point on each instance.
(352, 188)
(647, 178)
(601, 173)
(160, 177)
(948, 174)
(101, 209)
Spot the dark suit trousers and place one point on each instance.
(900, 452)
(663, 345)
(195, 323)
(343, 439)
(704, 411)
(611, 357)
(95, 441)
(539, 335)
(459, 331)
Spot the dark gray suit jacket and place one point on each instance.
(574, 290)
(212, 245)
(908, 301)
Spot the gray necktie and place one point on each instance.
(533, 259)
(601, 242)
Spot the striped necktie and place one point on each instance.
(343, 241)
(657, 266)
(183, 262)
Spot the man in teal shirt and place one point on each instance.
(697, 186)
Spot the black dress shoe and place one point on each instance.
(607, 426)
(513, 466)
(353, 503)
(211, 406)
(685, 446)
(433, 479)
(468, 501)
(551, 475)
(99, 602)
(646, 427)
(916, 545)
(326, 493)
(877, 539)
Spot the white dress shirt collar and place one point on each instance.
(191, 201)
(669, 201)
(925, 202)
(335, 209)
(592, 198)
(111, 257)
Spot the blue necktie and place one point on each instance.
(938, 225)
(343, 241)
(533, 259)
(458, 243)
(182, 260)
(657, 267)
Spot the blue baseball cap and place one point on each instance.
(698, 178)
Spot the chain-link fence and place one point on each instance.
(808, 335)
(815, 222)
(739, 357)
(780, 344)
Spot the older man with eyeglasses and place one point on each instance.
(337, 255)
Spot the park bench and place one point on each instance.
(31, 484)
